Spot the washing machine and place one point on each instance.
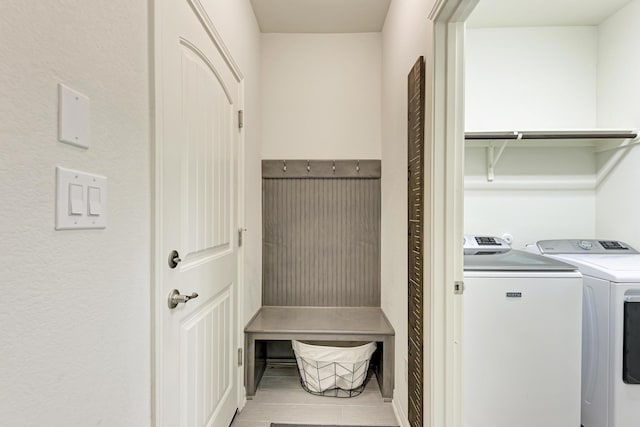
(611, 327)
(522, 338)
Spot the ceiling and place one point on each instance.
(320, 16)
(359, 16)
(527, 13)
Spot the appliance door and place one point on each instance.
(522, 350)
(625, 350)
(631, 338)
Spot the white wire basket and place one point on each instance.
(333, 371)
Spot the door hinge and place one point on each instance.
(239, 357)
(458, 287)
(240, 119)
(241, 235)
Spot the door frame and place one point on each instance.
(444, 369)
(157, 299)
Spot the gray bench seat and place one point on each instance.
(318, 324)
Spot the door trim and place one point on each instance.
(443, 369)
(158, 259)
(215, 37)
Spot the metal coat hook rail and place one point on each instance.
(321, 169)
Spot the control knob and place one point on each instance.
(586, 245)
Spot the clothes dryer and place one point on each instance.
(522, 338)
(611, 327)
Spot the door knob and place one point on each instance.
(175, 298)
(174, 259)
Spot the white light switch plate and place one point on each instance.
(73, 117)
(81, 200)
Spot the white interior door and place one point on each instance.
(198, 99)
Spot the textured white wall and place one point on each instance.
(530, 78)
(407, 34)
(321, 96)
(618, 205)
(236, 23)
(74, 342)
(529, 215)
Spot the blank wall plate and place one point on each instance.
(81, 200)
(73, 117)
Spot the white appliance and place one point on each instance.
(611, 328)
(522, 338)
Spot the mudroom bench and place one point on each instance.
(318, 324)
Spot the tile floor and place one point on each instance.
(281, 399)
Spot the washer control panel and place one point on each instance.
(584, 246)
(478, 244)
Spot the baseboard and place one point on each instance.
(401, 417)
(243, 399)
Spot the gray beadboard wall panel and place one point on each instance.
(321, 242)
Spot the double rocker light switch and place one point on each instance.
(80, 200)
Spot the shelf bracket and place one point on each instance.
(493, 158)
(618, 154)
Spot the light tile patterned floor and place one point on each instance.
(281, 399)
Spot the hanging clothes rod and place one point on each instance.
(552, 134)
(490, 139)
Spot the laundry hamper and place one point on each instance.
(333, 371)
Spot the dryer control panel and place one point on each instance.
(584, 246)
(478, 244)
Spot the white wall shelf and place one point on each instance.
(601, 139)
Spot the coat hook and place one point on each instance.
(284, 167)
(334, 166)
(358, 166)
(308, 167)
